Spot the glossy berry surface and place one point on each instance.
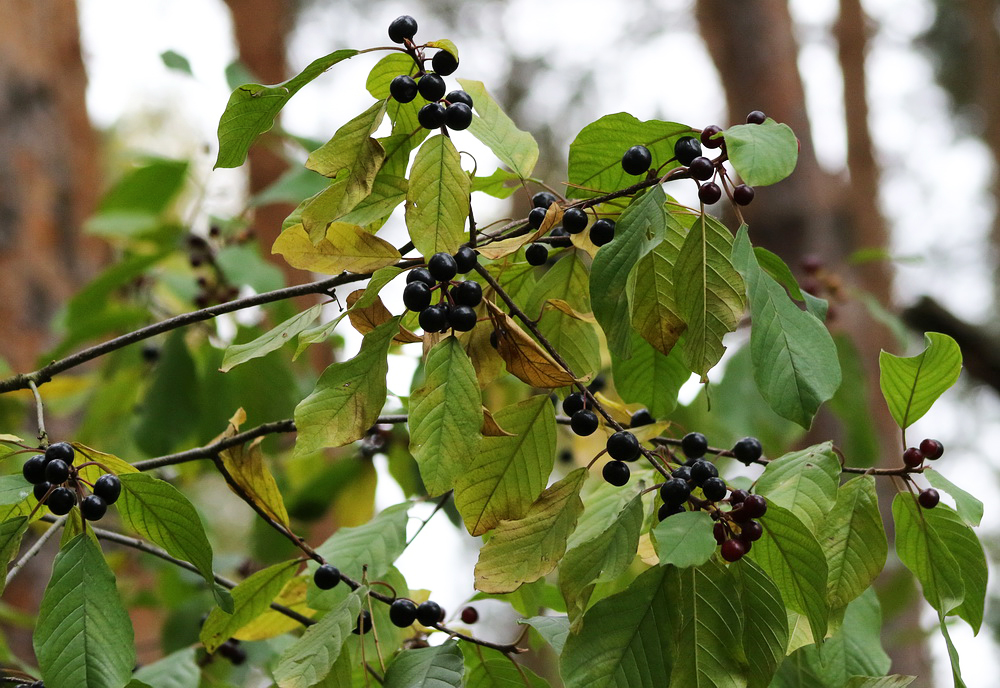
(416, 296)
(33, 469)
(637, 160)
(623, 446)
(93, 508)
(666, 511)
(640, 418)
(615, 473)
(326, 577)
(701, 168)
(444, 63)
(432, 116)
(108, 487)
(543, 199)
(754, 506)
(429, 613)
(40, 489)
(420, 275)
(733, 550)
(756, 117)
(737, 497)
(709, 193)
(706, 136)
(433, 319)
(402, 612)
(402, 27)
(465, 259)
(60, 450)
(748, 450)
(929, 498)
(462, 318)
(364, 623)
(467, 293)
(743, 194)
(720, 533)
(56, 471)
(584, 422)
(675, 491)
(459, 96)
(751, 531)
(686, 149)
(702, 470)
(602, 232)
(442, 266)
(458, 116)
(682, 473)
(574, 220)
(431, 87)
(61, 501)
(403, 89)
(573, 403)
(912, 457)
(694, 445)
(931, 449)
(470, 615)
(714, 489)
(536, 217)
(536, 254)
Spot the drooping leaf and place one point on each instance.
(368, 318)
(922, 550)
(762, 154)
(177, 670)
(515, 148)
(509, 473)
(650, 378)
(856, 648)
(524, 550)
(83, 636)
(251, 598)
(911, 385)
(554, 629)
(272, 340)
(445, 417)
(252, 108)
(795, 362)
(854, 540)
(956, 669)
(346, 247)
(525, 358)
(348, 396)
(684, 539)
(310, 658)
(271, 623)
(11, 532)
(710, 292)
(965, 547)
(968, 507)
(437, 199)
(639, 229)
(765, 623)
(246, 465)
(429, 667)
(774, 266)
(651, 289)
(804, 482)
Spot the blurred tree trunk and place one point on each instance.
(755, 51)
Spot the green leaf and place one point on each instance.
(964, 546)
(710, 292)
(348, 396)
(650, 378)
(437, 200)
(922, 550)
(309, 659)
(765, 623)
(83, 636)
(791, 556)
(762, 154)
(252, 108)
(501, 184)
(651, 289)
(159, 512)
(777, 269)
(595, 156)
(251, 598)
(174, 60)
(137, 203)
(509, 473)
(956, 670)
(854, 540)
(708, 652)
(968, 507)
(272, 340)
(626, 640)
(13, 489)
(376, 544)
(603, 557)
(804, 482)
(638, 230)
(894, 681)
(524, 550)
(856, 647)
(387, 69)
(515, 148)
(494, 672)
(177, 670)
(684, 539)
(554, 629)
(446, 415)
(911, 385)
(429, 667)
(795, 362)
(11, 532)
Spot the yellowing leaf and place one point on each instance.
(505, 247)
(346, 247)
(10, 438)
(246, 465)
(110, 461)
(525, 358)
(367, 318)
(271, 624)
(564, 307)
(437, 199)
(490, 426)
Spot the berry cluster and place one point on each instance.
(58, 483)
(403, 612)
(456, 306)
(914, 457)
(213, 288)
(453, 110)
(582, 420)
(574, 221)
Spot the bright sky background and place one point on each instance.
(934, 189)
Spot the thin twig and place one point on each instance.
(437, 508)
(42, 435)
(35, 548)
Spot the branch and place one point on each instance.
(35, 548)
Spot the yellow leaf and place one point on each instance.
(110, 461)
(246, 465)
(490, 426)
(271, 624)
(646, 550)
(10, 438)
(564, 307)
(526, 360)
(346, 247)
(505, 247)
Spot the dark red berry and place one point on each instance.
(573, 403)
(637, 160)
(931, 449)
(466, 259)
(416, 296)
(403, 89)
(402, 612)
(444, 63)
(462, 318)
(467, 293)
(709, 193)
(912, 457)
(733, 550)
(93, 508)
(675, 491)
(429, 613)
(536, 254)
(364, 623)
(442, 266)
(326, 577)
(706, 136)
(720, 532)
(574, 220)
(602, 232)
(535, 217)
(60, 450)
(420, 275)
(33, 469)
(401, 28)
(434, 318)
(754, 506)
(737, 497)
(756, 117)
(458, 116)
(432, 116)
(714, 489)
(748, 450)
(61, 501)
(56, 471)
(470, 615)
(701, 168)
(928, 498)
(686, 149)
(108, 487)
(584, 422)
(640, 418)
(616, 473)
(694, 445)
(543, 199)
(743, 194)
(751, 531)
(623, 446)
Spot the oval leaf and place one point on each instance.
(251, 598)
(437, 199)
(912, 385)
(762, 154)
(515, 148)
(429, 667)
(345, 247)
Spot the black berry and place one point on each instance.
(420, 275)
(694, 445)
(748, 450)
(640, 418)
(931, 449)
(150, 353)
(912, 457)
(401, 28)
(326, 577)
(597, 384)
(702, 470)
(929, 498)
(466, 259)
(573, 403)
(637, 160)
(462, 318)
(666, 511)
(754, 506)
(714, 489)
(733, 550)
(458, 116)
(444, 63)
(402, 612)
(459, 97)
(709, 193)
(686, 149)
(60, 450)
(364, 623)
(470, 615)
(233, 651)
(108, 487)
(93, 508)
(701, 168)
(416, 296)
(40, 489)
(584, 422)
(706, 136)
(602, 232)
(681, 473)
(675, 491)
(566, 456)
(33, 469)
(756, 117)
(535, 217)
(543, 199)
(615, 473)
(623, 446)
(56, 471)
(442, 266)
(434, 318)
(429, 613)
(536, 254)
(432, 116)
(574, 220)
(467, 293)
(743, 194)
(403, 89)
(61, 501)
(751, 531)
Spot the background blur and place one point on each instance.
(896, 104)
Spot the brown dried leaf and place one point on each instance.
(526, 359)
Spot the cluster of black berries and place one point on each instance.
(453, 110)
(914, 457)
(403, 612)
(456, 308)
(233, 651)
(622, 447)
(213, 288)
(582, 420)
(574, 221)
(57, 483)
